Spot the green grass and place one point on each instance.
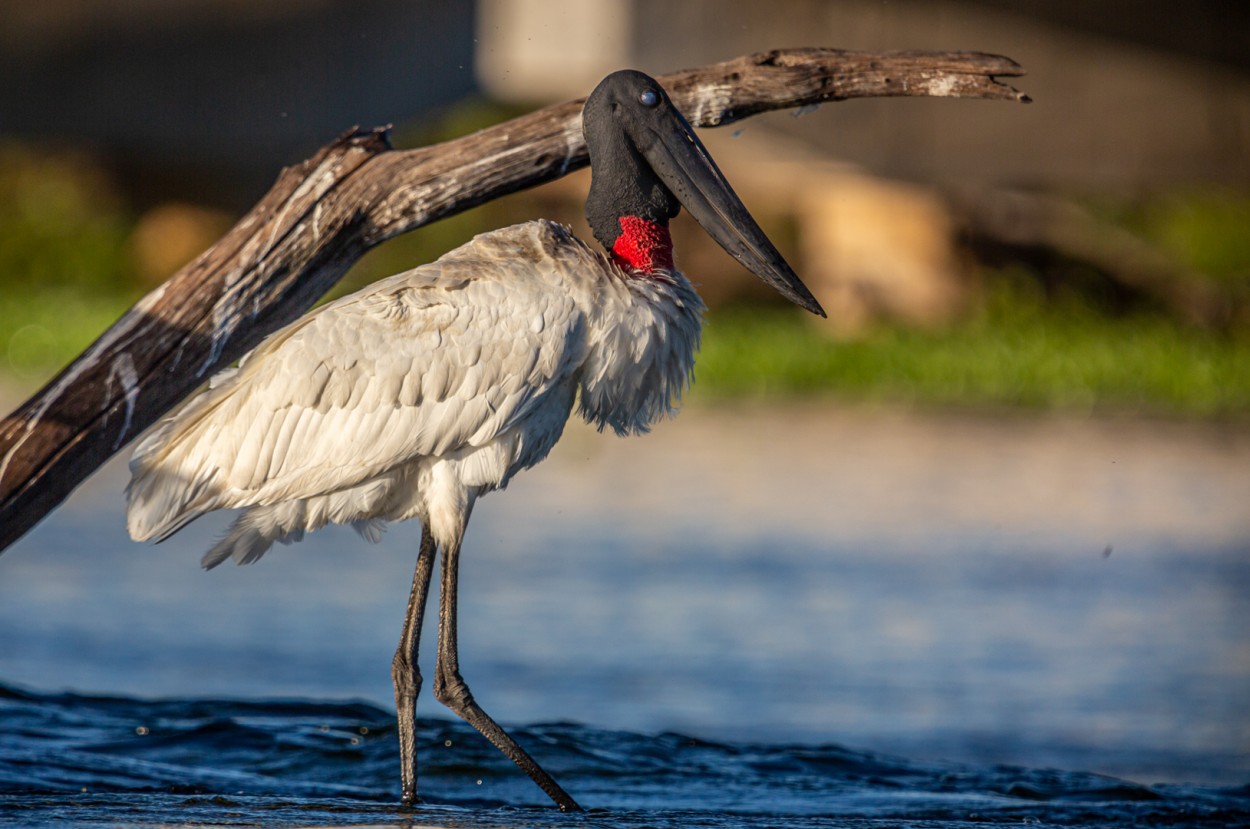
(61, 224)
(1016, 353)
(1207, 229)
(42, 331)
(1013, 354)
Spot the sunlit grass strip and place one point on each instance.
(1013, 355)
(41, 331)
(1009, 357)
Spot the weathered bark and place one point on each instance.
(322, 215)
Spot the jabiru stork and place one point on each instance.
(417, 395)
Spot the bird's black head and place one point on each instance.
(646, 164)
(622, 182)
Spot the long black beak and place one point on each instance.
(679, 159)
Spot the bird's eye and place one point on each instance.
(648, 98)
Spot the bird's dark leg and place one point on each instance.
(406, 674)
(451, 690)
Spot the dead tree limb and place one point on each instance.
(323, 214)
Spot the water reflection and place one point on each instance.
(935, 586)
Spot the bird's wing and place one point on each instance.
(440, 358)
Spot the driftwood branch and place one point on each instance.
(322, 215)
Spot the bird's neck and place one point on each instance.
(644, 246)
(628, 207)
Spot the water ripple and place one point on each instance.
(87, 760)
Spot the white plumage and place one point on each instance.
(418, 394)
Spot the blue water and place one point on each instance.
(118, 760)
(750, 618)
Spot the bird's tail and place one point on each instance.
(258, 528)
(250, 537)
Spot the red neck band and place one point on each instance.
(643, 246)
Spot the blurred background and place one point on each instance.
(994, 509)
